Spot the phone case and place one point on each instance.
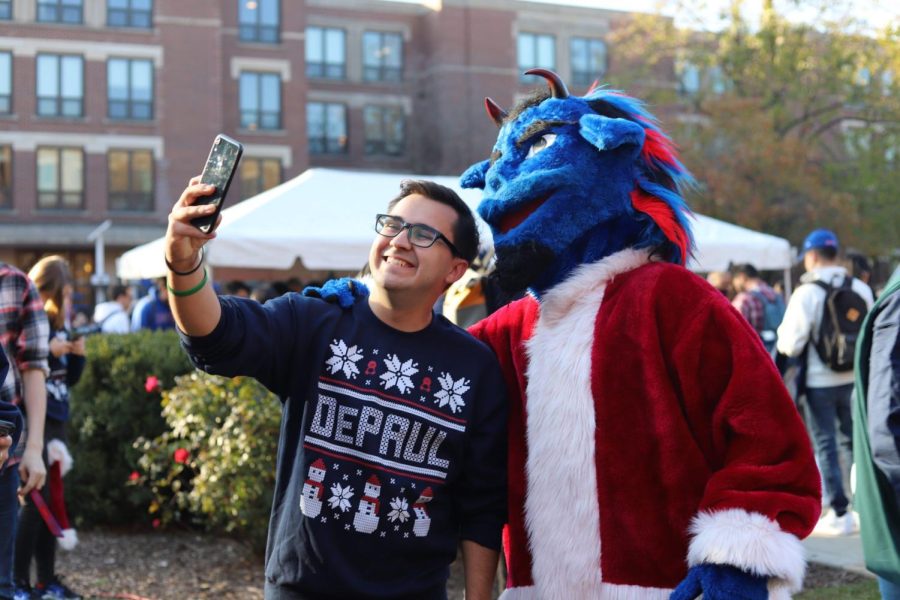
(219, 170)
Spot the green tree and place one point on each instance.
(786, 123)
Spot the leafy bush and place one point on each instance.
(112, 406)
(215, 465)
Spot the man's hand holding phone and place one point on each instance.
(183, 239)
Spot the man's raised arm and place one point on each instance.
(191, 296)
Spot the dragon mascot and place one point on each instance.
(654, 451)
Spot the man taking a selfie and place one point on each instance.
(392, 447)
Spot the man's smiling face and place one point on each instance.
(399, 266)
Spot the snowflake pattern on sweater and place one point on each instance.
(409, 437)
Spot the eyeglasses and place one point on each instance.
(418, 234)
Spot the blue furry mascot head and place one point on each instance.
(574, 179)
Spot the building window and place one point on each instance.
(5, 10)
(535, 51)
(382, 56)
(60, 85)
(259, 175)
(129, 88)
(129, 13)
(258, 21)
(5, 83)
(59, 11)
(326, 128)
(60, 178)
(588, 60)
(325, 55)
(260, 100)
(5, 177)
(385, 133)
(130, 180)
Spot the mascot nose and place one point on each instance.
(493, 179)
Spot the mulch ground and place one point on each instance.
(163, 565)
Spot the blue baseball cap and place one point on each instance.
(820, 238)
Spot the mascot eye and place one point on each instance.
(541, 144)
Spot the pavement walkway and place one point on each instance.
(843, 552)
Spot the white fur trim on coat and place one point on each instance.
(561, 505)
(607, 592)
(57, 452)
(752, 542)
(69, 539)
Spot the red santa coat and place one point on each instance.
(649, 431)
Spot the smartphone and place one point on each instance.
(219, 171)
(6, 428)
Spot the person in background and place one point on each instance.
(36, 539)
(23, 335)
(152, 311)
(721, 280)
(827, 390)
(876, 439)
(112, 316)
(760, 304)
(10, 414)
(237, 288)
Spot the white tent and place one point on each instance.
(720, 244)
(325, 218)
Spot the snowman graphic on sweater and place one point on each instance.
(366, 519)
(313, 490)
(423, 521)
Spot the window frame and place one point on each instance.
(378, 147)
(3, 98)
(588, 77)
(382, 72)
(257, 125)
(6, 191)
(324, 140)
(259, 181)
(133, 200)
(130, 102)
(129, 15)
(60, 6)
(59, 192)
(325, 64)
(59, 98)
(535, 63)
(251, 32)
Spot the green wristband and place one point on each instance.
(193, 290)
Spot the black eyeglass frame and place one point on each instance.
(437, 235)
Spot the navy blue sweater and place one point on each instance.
(392, 445)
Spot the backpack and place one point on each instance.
(842, 319)
(773, 314)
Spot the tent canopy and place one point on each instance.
(325, 218)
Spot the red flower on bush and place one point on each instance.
(152, 384)
(155, 523)
(134, 476)
(181, 456)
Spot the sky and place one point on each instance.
(876, 13)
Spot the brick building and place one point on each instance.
(108, 107)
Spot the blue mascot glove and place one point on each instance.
(721, 582)
(344, 291)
